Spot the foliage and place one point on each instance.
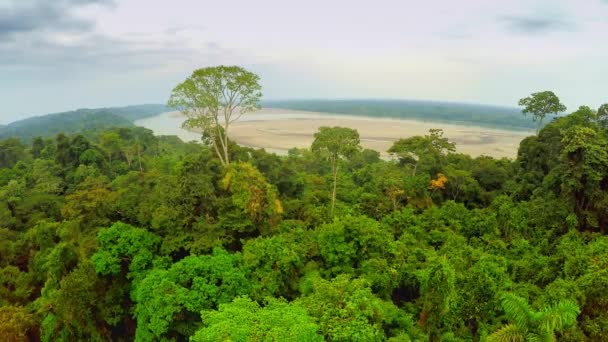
(168, 300)
(277, 262)
(437, 288)
(425, 151)
(124, 249)
(245, 320)
(16, 324)
(347, 310)
(117, 234)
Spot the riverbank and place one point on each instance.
(279, 130)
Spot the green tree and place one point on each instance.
(529, 325)
(11, 195)
(602, 115)
(78, 146)
(356, 245)
(491, 174)
(347, 310)
(124, 249)
(427, 150)
(584, 175)
(245, 320)
(277, 262)
(169, 301)
(437, 290)
(37, 147)
(62, 150)
(11, 151)
(335, 143)
(478, 289)
(540, 104)
(93, 203)
(73, 314)
(214, 98)
(461, 184)
(111, 143)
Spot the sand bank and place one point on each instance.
(278, 130)
(261, 130)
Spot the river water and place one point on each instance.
(170, 123)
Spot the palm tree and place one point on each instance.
(528, 325)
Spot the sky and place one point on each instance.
(58, 55)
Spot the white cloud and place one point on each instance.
(132, 51)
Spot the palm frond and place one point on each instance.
(517, 310)
(557, 317)
(540, 338)
(508, 333)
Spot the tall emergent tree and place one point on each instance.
(335, 143)
(540, 104)
(215, 97)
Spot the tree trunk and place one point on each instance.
(220, 137)
(128, 157)
(456, 193)
(218, 153)
(540, 122)
(141, 169)
(333, 195)
(226, 157)
(215, 144)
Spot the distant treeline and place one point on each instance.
(78, 121)
(482, 115)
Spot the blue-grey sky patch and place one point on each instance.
(32, 15)
(534, 25)
(58, 55)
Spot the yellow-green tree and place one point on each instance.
(250, 192)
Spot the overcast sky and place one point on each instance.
(58, 55)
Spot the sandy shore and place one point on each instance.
(378, 134)
(278, 130)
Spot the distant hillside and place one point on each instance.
(491, 116)
(79, 120)
(136, 112)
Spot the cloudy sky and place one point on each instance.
(60, 55)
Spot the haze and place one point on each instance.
(65, 54)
